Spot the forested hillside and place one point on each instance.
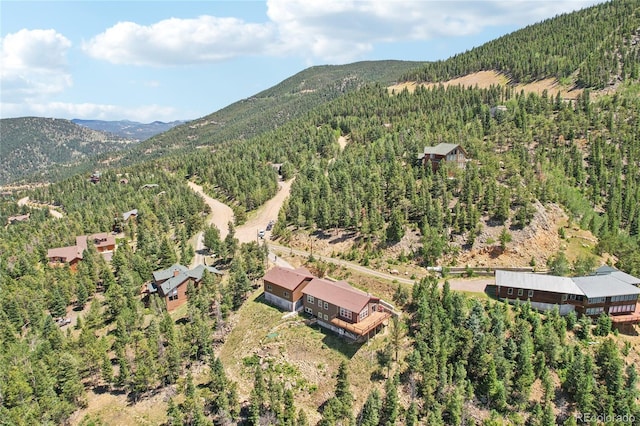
(596, 47)
(273, 107)
(449, 358)
(32, 145)
(128, 129)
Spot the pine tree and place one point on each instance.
(390, 407)
(370, 414)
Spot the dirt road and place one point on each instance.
(268, 211)
(53, 212)
(221, 215)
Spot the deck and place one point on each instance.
(630, 318)
(365, 326)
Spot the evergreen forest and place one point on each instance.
(449, 358)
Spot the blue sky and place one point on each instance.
(174, 60)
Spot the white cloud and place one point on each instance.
(34, 64)
(143, 114)
(180, 41)
(344, 30)
(335, 31)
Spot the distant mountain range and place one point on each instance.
(128, 129)
(32, 147)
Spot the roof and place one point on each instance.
(177, 274)
(530, 281)
(440, 149)
(338, 293)
(127, 215)
(286, 278)
(68, 253)
(604, 286)
(101, 239)
(616, 273)
(198, 271)
(173, 282)
(165, 274)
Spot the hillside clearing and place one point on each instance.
(486, 79)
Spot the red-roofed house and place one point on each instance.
(283, 287)
(71, 255)
(344, 309)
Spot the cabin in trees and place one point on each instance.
(173, 283)
(608, 291)
(449, 152)
(104, 243)
(283, 287)
(344, 309)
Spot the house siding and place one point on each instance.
(182, 296)
(290, 300)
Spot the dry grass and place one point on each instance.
(305, 357)
(486, 79)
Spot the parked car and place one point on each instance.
(270, 225)
(261, 233)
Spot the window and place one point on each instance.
(510, 291)
(310, 299)
(285, 294)
(564, 297)
(345, 313)
(320, 303)
(594, 300)
(624, 298)
(269, 288)
(621, 308)
(173, 294)
(520, 292)
(326, 318)
(364, 313)
(530, 294)
(594, 311)
(308, 310)
(320, 315)
(326, 305)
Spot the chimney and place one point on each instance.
(176, 272)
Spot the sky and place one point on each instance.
(180, 60)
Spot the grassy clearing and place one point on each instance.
(303, 356)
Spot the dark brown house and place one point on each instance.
(449, 152)
(283, 287)
(593, 295)
(344, 309)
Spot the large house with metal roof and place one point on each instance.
(449, 152)
(608, 291)
(172, 283)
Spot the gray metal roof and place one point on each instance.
(440, 149)
(604, 286)
(616, 273)
(529, 281)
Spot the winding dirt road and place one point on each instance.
(221, 215)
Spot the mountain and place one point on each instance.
(273, 107)
(552, 182)
(33, 145)
(129, 129)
